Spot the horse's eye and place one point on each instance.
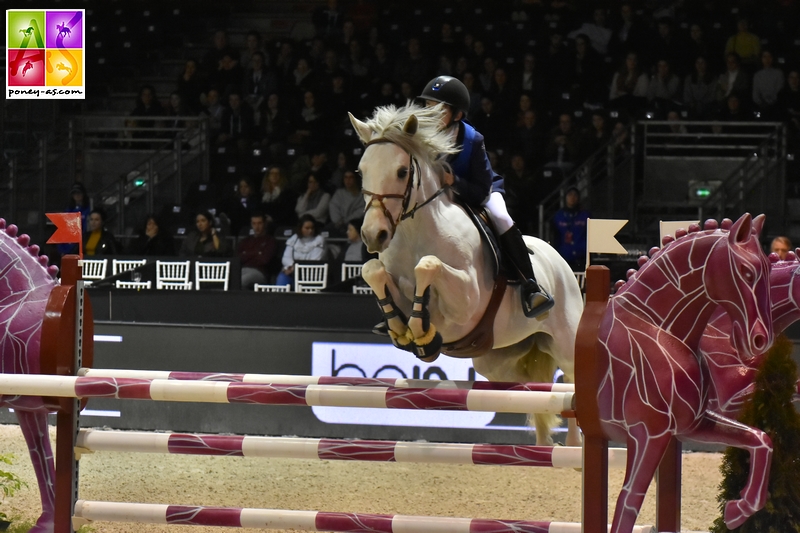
(402, 173)
(747, 274)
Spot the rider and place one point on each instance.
(477, 185)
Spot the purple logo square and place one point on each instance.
(64, 29)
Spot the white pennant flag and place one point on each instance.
(600, 237)
(669, 227)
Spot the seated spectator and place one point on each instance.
(275, 127)
(213, 58)
(176, 108)
(229, 75)
(307, 123)
(698, 90)
(570, 222)
(595, 136)
(253, 47)
(585, 73)
(733, 80)
(205, 241)
(277, 199)
(562, 147)
(259, 82)
(214, 110)
(346, 204)
(147, 105)
(491, 125)
(767, 84)
(305, 245)
(153, 240)
(316, 161)
(697, 42)
(599, 35)
(629, 33)
(665, 86)
(669, 45)
(343, 165)
(256, 252)
(629, 84)
(239, 206)
(519, 185)
(98, 240)
(531, 80)
(789, 100)
(301, 79)
(237, 127)
(314, 201)
(745, 44)
(529, 140)
(781, 245)
(356, 251)
(190, 86)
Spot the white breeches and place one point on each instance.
(496, 206)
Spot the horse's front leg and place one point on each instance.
(451, 285)
(386, 290)
(34, 428)
(717, 429)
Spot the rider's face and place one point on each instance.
(447, 118)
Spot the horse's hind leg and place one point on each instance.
(720, 430)
(34, 427)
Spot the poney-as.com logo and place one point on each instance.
(45, 54)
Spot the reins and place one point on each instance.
(377, 199)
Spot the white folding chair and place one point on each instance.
(176, 285)
(581, 278)
(211, 273)
(172, 272)
(272, 288)
(350, 270)
(94, 269)
(362, 290)
(118, 266)
(310, 278)
(137, 285)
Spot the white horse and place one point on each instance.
(433, 265)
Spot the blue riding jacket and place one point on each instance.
(474, 178)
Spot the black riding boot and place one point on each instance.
(535, 301)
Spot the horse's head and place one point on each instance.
(402, 148)
(737, 277)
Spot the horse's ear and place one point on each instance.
(758, 224)
(741, 230)
(362, 130)
(410, 127)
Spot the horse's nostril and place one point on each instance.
(383, 235)
(759, 343)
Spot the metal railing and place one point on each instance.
(604, 179)
(172, 147)
(757, 185)
(707, 139)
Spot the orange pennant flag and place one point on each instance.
(68, 228)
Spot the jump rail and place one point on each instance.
(286, 379)
(92, 440)
(86, 511)
(506, 401)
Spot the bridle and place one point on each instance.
(377, 199)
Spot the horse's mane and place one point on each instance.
(680, 236)
(428, 144)
(14, 238)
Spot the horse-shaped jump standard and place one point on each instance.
(434, 267)
(25, 285)
(656, 384)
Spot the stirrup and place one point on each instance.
(536, 302)
(381, 328)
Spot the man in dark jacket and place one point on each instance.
(256, 253)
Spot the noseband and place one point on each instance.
(377, 199)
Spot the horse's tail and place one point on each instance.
(540, 367)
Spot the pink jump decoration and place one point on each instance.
(654, 383)
(25, 286)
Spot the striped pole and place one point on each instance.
(284, 379)
(309, 520)
(504, 401)
(92, 440)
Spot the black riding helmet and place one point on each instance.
(447, 90)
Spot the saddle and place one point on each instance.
(481, 339)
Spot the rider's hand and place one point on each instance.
(449, 179)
